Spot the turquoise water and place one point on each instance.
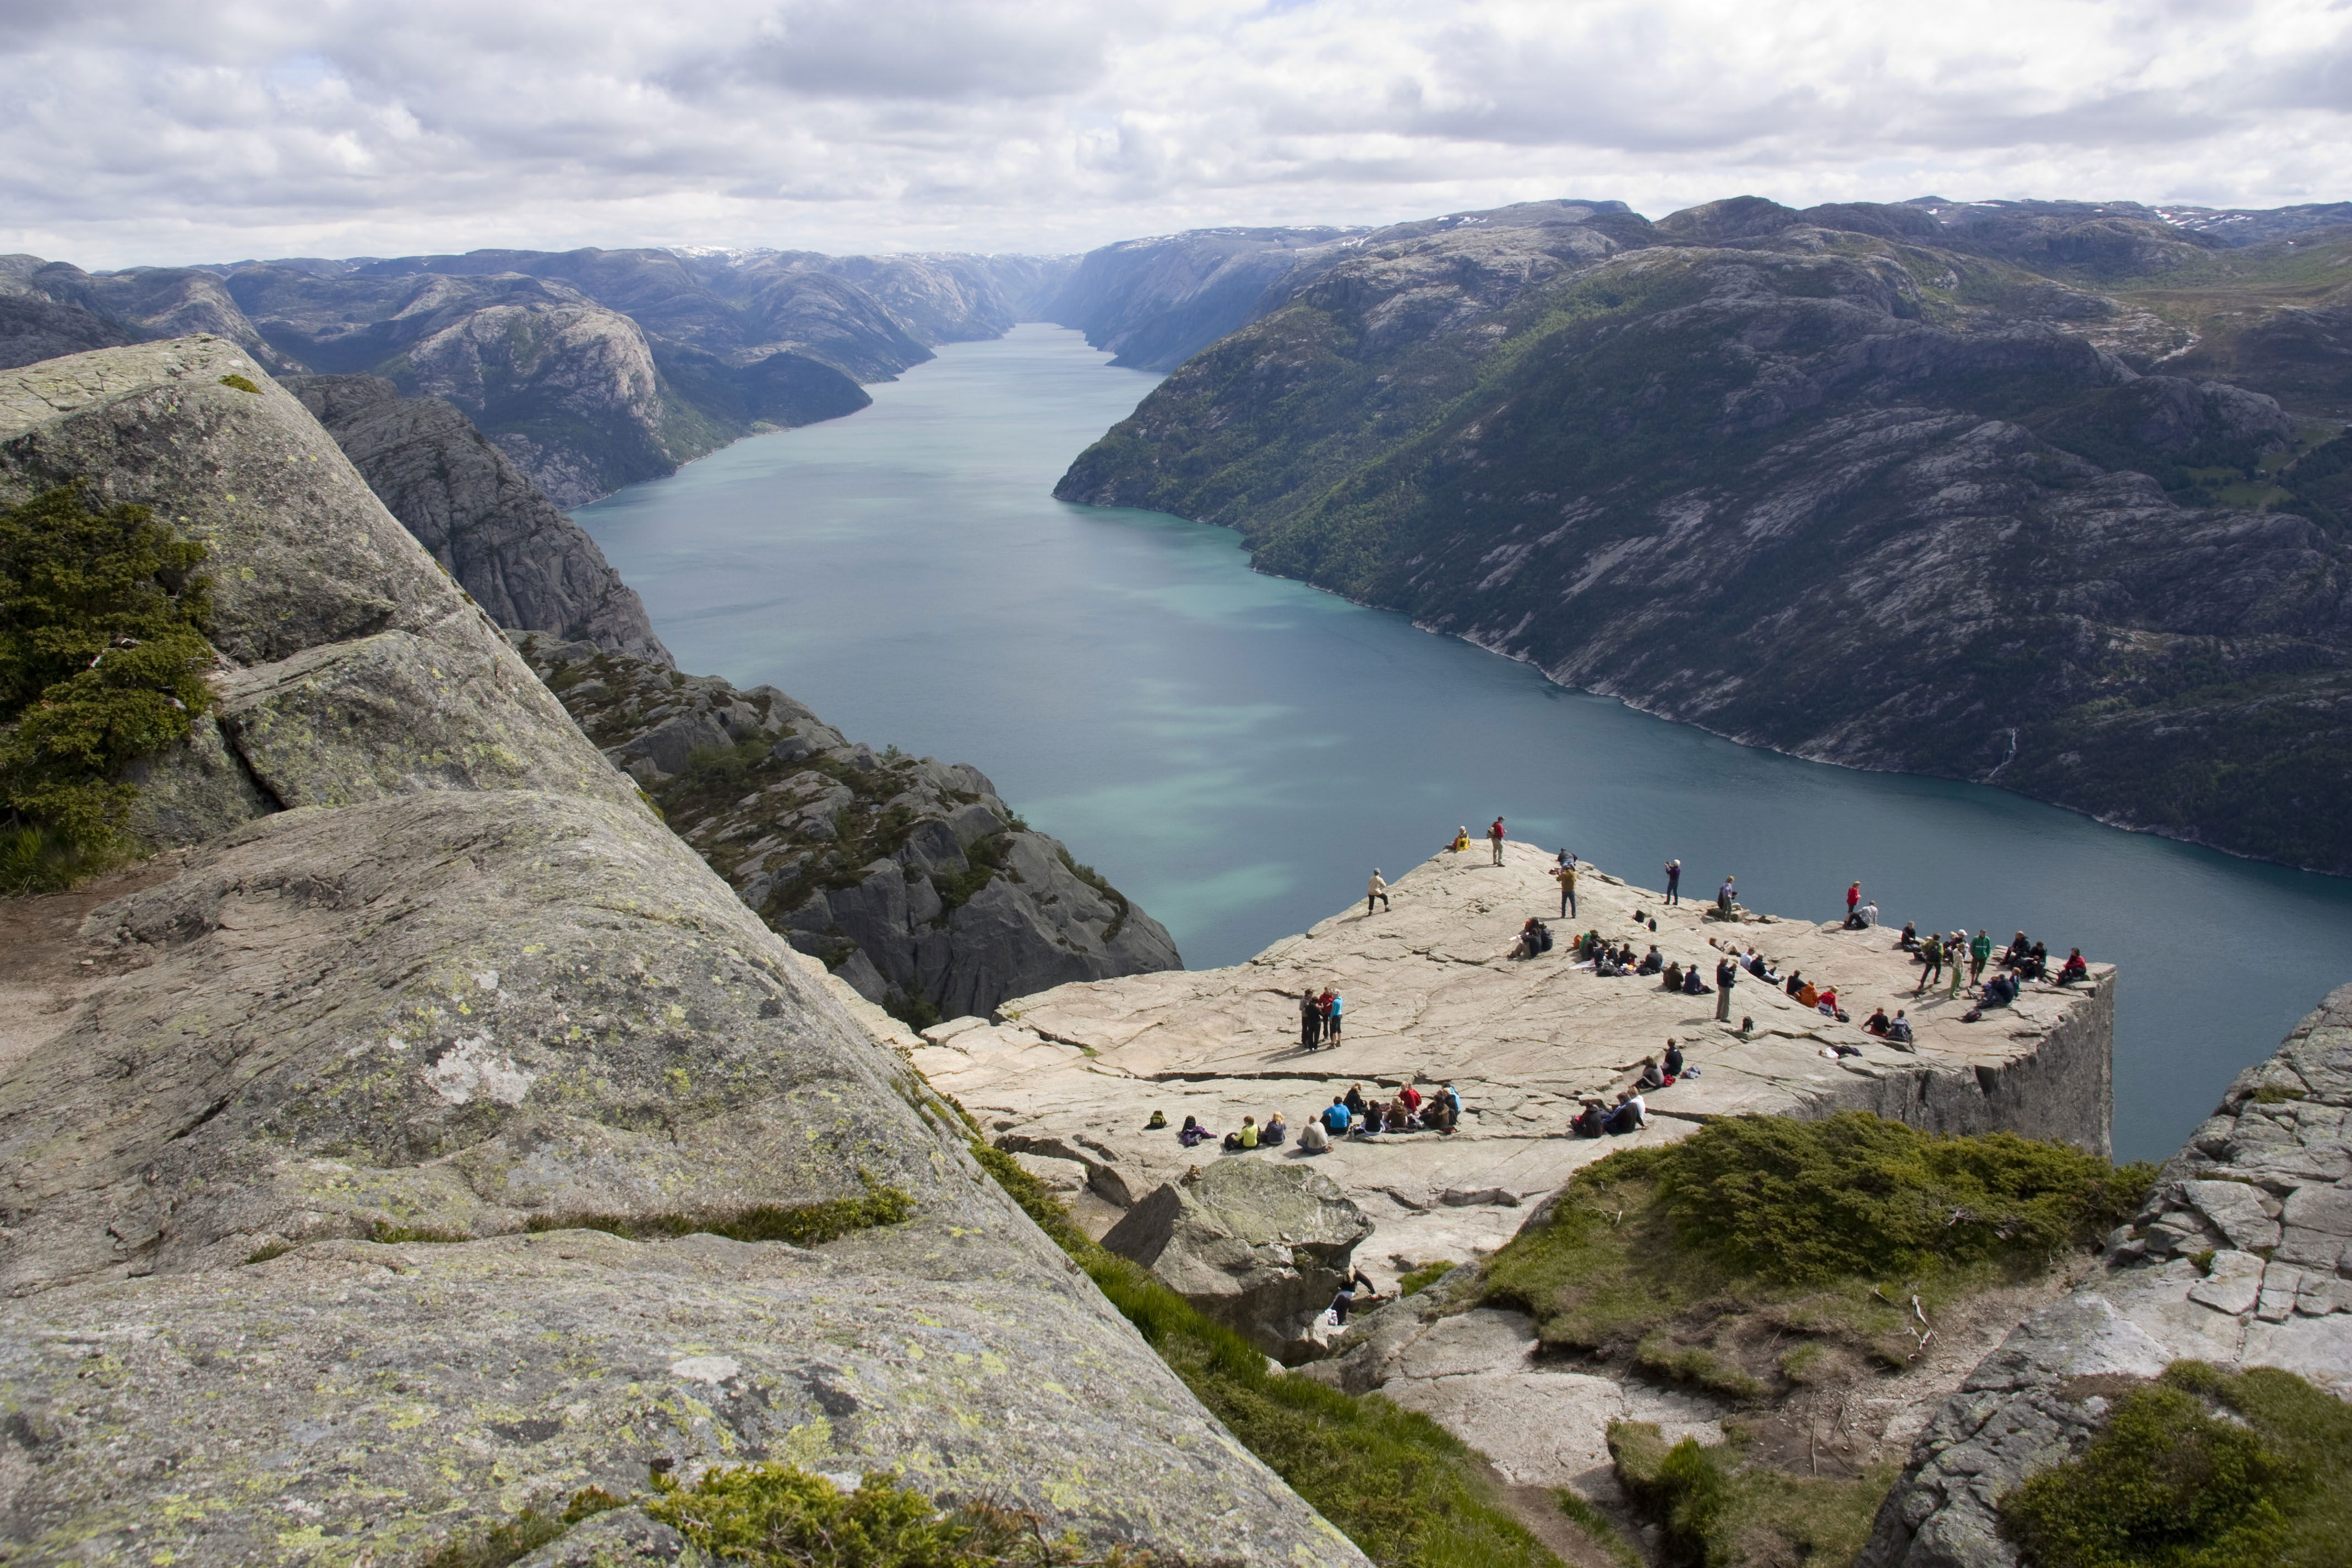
(1238, 752)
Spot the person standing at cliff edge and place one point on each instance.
(1566, 876)
(1494, 836)
(1375, 888)
(1853, 903)
(1674, 881)
(1723, 898)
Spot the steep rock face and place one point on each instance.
(910, 878)
(529, 565)
(2263, 1193)
(1842, 495)
(469, 985)
(146, 302)
(936, 303)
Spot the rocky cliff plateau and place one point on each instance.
(1859, 483)
(289, 1249)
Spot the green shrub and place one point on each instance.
(102, 657)
(523, 1534)
(802, 1224)
(1419, 1279)
(775, 1515)
(1397, 1484)
(2202, 1469)
(1712, 1512)
(241, 383)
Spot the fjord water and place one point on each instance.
(1237, 752)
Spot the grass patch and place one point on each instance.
(521, 1536)
(2204, 1469)
(802, 1224)
(1697, 1260)
(776, 1516)
(1419, 1279)
(2276, 1094)
(1714, 1513)
(240, 384)
(268, 1250)
(102, 659)
(400, 1235)
(1599, 1527)
(1397, 1484)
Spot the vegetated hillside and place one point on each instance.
(1856, 483)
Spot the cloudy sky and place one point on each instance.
(174, 130)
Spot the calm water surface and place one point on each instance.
(1238, 752)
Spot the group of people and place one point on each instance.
(1630, 1113)
(1349, 1114)
(1966, 958)
(1320, 1014)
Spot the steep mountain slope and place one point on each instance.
(910, 879)
(343, 1155)
(498, 535)
(1875, 501)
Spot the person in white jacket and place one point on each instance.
(1375, 891)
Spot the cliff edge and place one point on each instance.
(293, 1239)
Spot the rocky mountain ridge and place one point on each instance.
(1820, 482)
(910, 879)
(437, 1137)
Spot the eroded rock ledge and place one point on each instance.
(2242, 1258)
(437, 976)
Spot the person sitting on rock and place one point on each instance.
(1909, 940)
(1591, 1121)
(1695, 987)
(1809, 995)
(1673, 1061)
(1274, 1131)
(1358, 1290)
(1355, 1099)
(1876, 1024)
(1899, 1031)
(1398, 1117)
(1337, 1118)
(2014, 954)
(1410, 1098)
(1651, 1076)
(1631, 1115)
(1461, 839)
(1244, 1138)
(1158, 1120)
(2001, 991)
(1530, 941)
(1193, 1133)
(1825, 1003)
(1795, 982)
(1652, 962)
(2037, 964)
(2074, 972)
(1673, 980)
(1314, 1138)
(1451, 1099)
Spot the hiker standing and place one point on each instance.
(1979, 954)
(1566, 876)
(1853, 903)
(1375, 890)
(1727, 975)
(1723, 897)
(1494, 836)
(1310, 1020)
(1674, 881)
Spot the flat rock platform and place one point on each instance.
(1068, 1077)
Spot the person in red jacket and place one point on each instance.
(1852, 900)
(1494, 836)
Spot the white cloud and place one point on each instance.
(140, 131)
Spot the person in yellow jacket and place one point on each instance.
(1461, 839)
(1565, 875)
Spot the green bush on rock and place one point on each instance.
(2204, 1469)
(775, 1515)
(102, 655)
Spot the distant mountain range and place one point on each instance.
(589, 369)
(2055, 495)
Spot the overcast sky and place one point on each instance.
(176, 130)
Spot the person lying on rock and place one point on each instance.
(1274, 1131)
(1158, 1120)
(1358, 1290)
(2074, 972)
(1193, 1133)
(1591, 1121)
(1244, 1138)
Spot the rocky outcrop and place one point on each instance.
(34, 326)
(910, 878)
(531, 567)
(1759, 470)
(1261, 1247)
(2242, 1258)
(312, 1147)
